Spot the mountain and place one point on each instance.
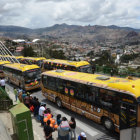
(14, 29)
(123, 28)
(75, 33)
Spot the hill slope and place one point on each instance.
(76, 34)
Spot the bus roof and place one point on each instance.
(67, 62)
(21, 67)
(35, 58)
(17, 57)
(4, 62)
(126, 85)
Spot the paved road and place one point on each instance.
(93, 130)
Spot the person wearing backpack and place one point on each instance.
(63, 130)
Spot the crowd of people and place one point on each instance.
(65, 128)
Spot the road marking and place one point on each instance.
(80, 124)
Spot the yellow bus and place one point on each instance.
(1, 68)
(113, 102)
(32, 60)
(81, 66)
(10, 58)
(25, 76)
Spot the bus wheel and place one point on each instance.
(108, 124)
(58, 102)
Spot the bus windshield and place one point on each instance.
(34, 74)
(86, 69)
(39, 62)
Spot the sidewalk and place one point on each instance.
(37, 128)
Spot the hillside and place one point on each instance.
(77, 34)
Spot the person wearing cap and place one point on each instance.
(82, 136)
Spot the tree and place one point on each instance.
(28, 51)
(128, 57)
(105, 59)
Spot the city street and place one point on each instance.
(93, 130)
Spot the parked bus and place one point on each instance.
(32, 60)
(81, 66)
(25, 76)
(10, 58)
(1, 68)
(114, 102)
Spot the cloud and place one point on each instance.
(43, 13)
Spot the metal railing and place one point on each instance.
(5, 104)
(5, 101)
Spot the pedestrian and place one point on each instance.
(41, 113)
(23, 96)
(33, 103)
(27, 101)
(93, 68)
(49, 112)
(111, 72)
(28, 93)
(2, 83)
(48, 130)
(58, 119)
(63, 130)
(16, 93)
(72, 124)
(82, 136)
(20, 94)
(36, 107)
(45, 113)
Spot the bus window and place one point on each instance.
(80, 92)
(44, 81)
(51, 83)
(73, 68)
(1, 67)
(59, 85)
(39, 62)
(69, 88)
(60, 66)
(86, 69)
(109, 100)
(17, 74)
(54, 66)
(92, 95)
(46, 66)
(32, 75)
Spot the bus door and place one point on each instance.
(128, 115)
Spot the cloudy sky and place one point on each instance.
(44, 13)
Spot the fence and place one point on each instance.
(5, 101)
(5, 104)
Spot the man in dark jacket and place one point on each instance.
(48, 130)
